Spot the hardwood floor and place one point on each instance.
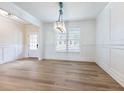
(31, 74)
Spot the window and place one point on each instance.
(73, 40)
(61, 42)
(69, 41)
(33, 41)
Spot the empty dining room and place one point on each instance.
(61, 46)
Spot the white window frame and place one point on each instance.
(66, 49)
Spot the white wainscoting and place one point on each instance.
(10, 53)
(110, 41)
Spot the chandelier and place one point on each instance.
(59, 24)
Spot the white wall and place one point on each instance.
(87, 43)
(11, 40)
(41, 42)
(110, 41)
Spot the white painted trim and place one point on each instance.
(11, 52)
(114, 74)
(118, 77)
(80, 60)
(109, 43)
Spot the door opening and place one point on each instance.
(33, 44)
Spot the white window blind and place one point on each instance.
(73, 38)
(61, 42)
(68, 42)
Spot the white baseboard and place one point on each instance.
(119, 78)
(115, 75)
(80, 60)
(68, 60)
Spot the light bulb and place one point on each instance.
(60, 26)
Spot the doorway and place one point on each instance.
(33, 44)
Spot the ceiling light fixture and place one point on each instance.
(10, 16)
(59, 24)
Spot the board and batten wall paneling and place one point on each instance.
(110, 40)
(87, 41)
(11, 40)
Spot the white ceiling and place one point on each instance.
(48, 11)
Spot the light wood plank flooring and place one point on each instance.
(31, 74)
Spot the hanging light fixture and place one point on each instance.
(59, 24)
